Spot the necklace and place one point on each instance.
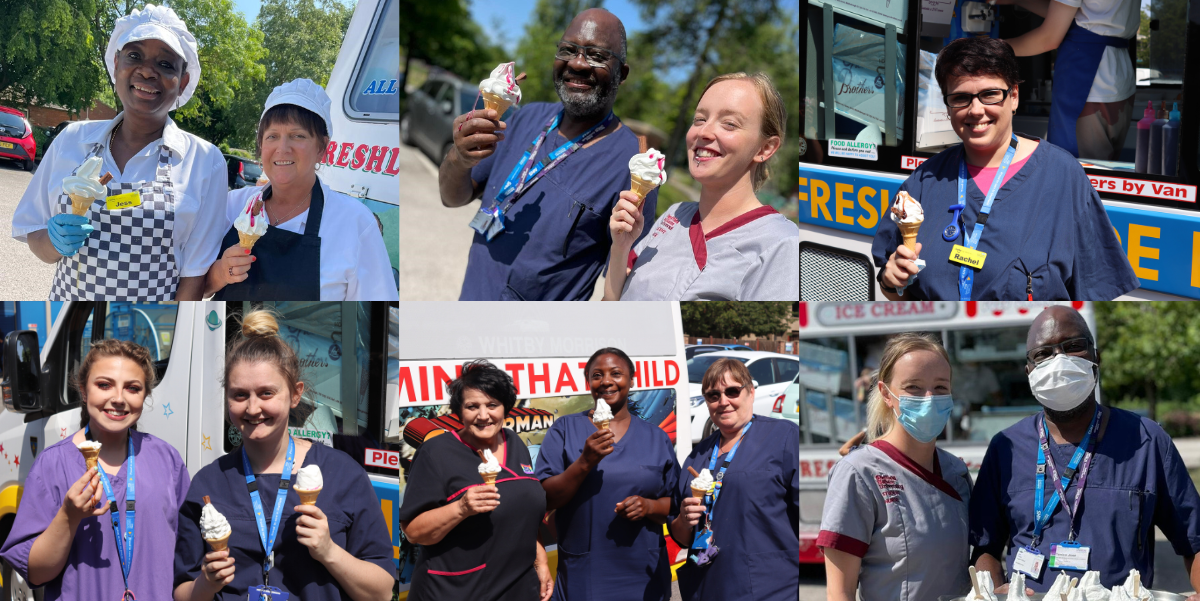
(112, 138)
(293, 213)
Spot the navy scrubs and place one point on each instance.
(355, 524)
(1137, 481)
(1047, 229)
(600, 554)
(756, 521)
(556, 240)
(488, 556)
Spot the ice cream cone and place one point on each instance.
(91, 456)
(247, 240)
(219, 544)
(641, 187)
(489, 479)
(602, 424)
(308, 497)
(80, 204)
(909, 231)
(699, 492)
(496, 103)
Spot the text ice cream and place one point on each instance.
(500, 89)
(647, 171)
(86, 185)
(251, 224)
(214, 527)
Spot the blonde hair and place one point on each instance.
(880, 418)
(774, 115)
(260, 343)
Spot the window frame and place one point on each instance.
(352, 85)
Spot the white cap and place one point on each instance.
(156, 23)
(304, 93)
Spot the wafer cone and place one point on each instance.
(219, 544)
(909, 231)
(91, 456)
(308, 497)
(602, 424)
(641, 187)
(699, 492)
(489, 479)
(247, 240)
(80, 204)
(496, 103)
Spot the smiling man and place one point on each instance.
(555, 237)
(151, 232)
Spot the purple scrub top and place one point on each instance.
(93, 569)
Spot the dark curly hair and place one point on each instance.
(976, 57)
(486, 378)
(609, 351)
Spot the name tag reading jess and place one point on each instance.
(123, 201)
(966, 256)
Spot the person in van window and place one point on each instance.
(336, 549)
(1033, 227)
(1108, 476)
(555, 240)
(152, 231)
(65, 538)
(610, 486)
(316, 243)
(477, 542)
(727, 246)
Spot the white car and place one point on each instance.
(787, 405)
(772, 373)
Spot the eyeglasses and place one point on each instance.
(1074, 346)
(962, 99)
(732, 392)
(598, 58)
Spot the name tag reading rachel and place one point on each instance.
(968, 257)
(123, 201)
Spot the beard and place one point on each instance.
(1063, 417)
(593, 104)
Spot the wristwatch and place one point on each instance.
(882, 286)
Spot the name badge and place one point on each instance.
(966, 256)
(1069, 556)
(1029, 562)
(267, 593)
(123, 201)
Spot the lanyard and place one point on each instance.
(710, 500)
(1046, 459)
(124, 552)
(965, 279)
(268, 541)
(525, 174)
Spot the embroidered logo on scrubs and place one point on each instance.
(528, 469)
(889, 487)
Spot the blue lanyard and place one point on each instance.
(965, 278)
(124, 553)
(1042, 516)
(524, 174)
(268, 542)
(710, 500)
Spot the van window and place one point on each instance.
(990, 387)
(375, 94)
(151, 325)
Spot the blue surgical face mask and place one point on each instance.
(923, 417)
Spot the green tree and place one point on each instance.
(535, 52)
(47, 55)
(443, 34)
(1147, 350)
(734, 319)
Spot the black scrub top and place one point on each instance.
(488, 556)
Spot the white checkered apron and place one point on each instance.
(130, 255)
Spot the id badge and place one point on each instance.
(967, 256)
(1030, 562)
(123, 201)
(267, 593)
(1069, 556)
(482, 221)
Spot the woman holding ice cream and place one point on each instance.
(337, 548)
(610, 476)
(64, 537)
(727, 246)
(742, 533)
(295, 238)
(479, 541)
(151, 230)
(1005, 216)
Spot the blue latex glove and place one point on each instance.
(69, 232)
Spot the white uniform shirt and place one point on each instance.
(354, 262)
(198, 177)
(754, 257)
(907, 524)
(1115, 80)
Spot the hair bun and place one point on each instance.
(259, 324)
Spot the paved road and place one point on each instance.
(22, 276)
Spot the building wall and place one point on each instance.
(42, 116)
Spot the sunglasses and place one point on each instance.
(732, 392)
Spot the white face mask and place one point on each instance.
(1063, 382)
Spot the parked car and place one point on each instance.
(772, 372)
(787, 405)
(692, 350)
(52, 133)
(16, 138)
(432, 109)
(242, 171)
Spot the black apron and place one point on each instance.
(287, 265)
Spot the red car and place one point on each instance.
(16, 138)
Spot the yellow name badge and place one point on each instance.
(123, 201)
(966, 256)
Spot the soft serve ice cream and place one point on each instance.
(251, 224)
(213, 526)
(602, 415)
(309, 483)
(86, 185)
(982, 589)
(489, 468)
(500, 89)
(91, 452)
(906, 209)
(702, 484)
(1016, 588)
(647, 171)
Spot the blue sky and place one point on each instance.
(514, 14)
(248, 8)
